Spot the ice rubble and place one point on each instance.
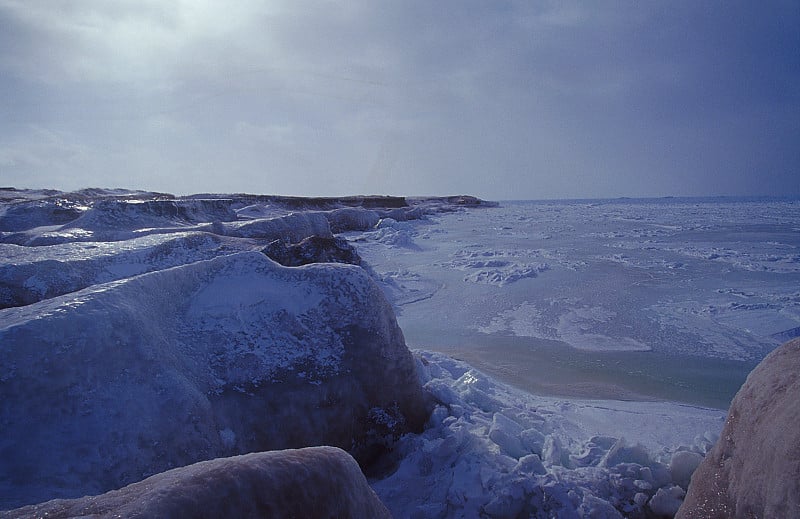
(754, 470)
(498, 267)
(122, 380)
(310, 482)
(490, 451)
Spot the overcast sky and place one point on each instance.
(503, 100)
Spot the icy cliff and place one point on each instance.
(121, 380)
(754, 469)
(311, 482)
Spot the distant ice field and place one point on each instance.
(673, 299)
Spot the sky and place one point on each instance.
(498, 99)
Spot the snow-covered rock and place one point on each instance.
(310, 482)
(352, 219)
(291, 227)
(314, 249)
(116, 382)
(114, 220)
(754, 468)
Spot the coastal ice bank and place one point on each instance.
(122, 380)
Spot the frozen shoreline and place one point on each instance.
(609, 301)
(492, 450)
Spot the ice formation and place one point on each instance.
(121, 380)
(491, 451)
(143, 331)
(31, 274)
(310, 482)
(754, 469)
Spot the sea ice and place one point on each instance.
(492, 451)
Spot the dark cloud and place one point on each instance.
(505, 100)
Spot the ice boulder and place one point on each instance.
(667, 501)
(754, 468)
(682, 466)
(236, 354)
(311, 482)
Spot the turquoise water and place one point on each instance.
(554, 369)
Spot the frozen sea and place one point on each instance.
(582, 354)
(627, 299)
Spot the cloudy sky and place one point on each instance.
(500, 99)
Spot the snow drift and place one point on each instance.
(754, 469)
(311, 482)
(236, 354)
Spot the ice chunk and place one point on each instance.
(667, 501)
(593, 506)
(621, 452)
(352, 219)
(682, 465)
(530, 464)
(506, 434)
(552, 452)
(532, 440)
